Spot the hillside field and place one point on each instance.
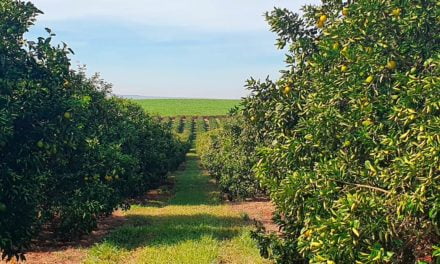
(187, 107)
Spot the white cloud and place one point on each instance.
(219, 15)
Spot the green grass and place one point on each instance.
(187, 107)
(192, 227)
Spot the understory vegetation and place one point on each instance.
(192, 227)
(348, 142)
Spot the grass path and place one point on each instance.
(192, 227)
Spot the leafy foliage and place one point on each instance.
(187, 131)
(228, 153)
(353, 125)
(69, 153)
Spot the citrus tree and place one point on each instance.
(228, 154)
(69, 152)
(353, 163)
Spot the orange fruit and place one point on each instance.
(367, 122)
(391, 65)
(396, 12)
(67, 115)
(308, 233)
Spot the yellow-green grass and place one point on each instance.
(187, 107)
(193, 227)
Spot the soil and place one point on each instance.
(260, 210)
(47, 250)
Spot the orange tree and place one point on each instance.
(353, 166)
(228, 154)
(69, 153)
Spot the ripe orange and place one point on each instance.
(320, 24)
(396, 12)
(391, 65)
(287, 89)
(369, 79)
(323, 18)
(345, 11)
(308, 233)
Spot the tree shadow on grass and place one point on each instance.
(141, 230)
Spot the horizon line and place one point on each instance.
(146, 97)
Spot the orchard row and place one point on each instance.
(70, 153)
(346, 143)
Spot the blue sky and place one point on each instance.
(171, 48)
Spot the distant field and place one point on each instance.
(187, 107)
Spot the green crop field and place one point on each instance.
(187, 107)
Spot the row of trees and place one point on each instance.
(228, 154)
(69, 152)
(348, 139)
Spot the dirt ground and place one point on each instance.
(48, 250)
(259, 210)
